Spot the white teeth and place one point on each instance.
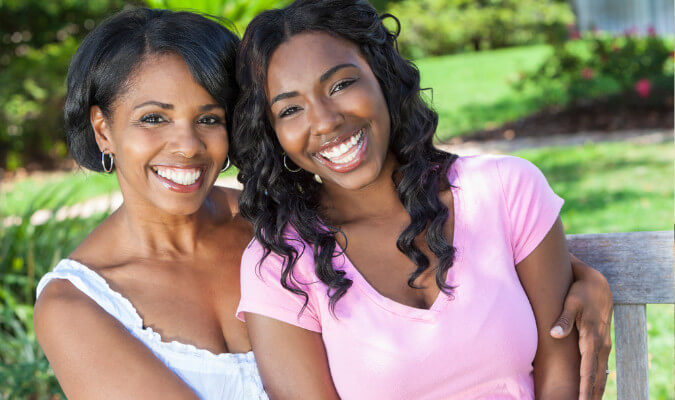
(180, 176)
(339, 150)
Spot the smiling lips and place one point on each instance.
(346, 155)
(182, 180)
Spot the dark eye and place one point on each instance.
(210, 120)
(342, 85)
(289, 111)
(152, 119)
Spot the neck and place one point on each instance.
(154, 233)
(377, 200)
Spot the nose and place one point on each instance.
(325, 117)
(185, 140)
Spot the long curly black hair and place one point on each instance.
(274, 198)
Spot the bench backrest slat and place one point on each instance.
(639, 268)
(638, 265)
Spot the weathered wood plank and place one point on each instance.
(632, 362)
(638, 265)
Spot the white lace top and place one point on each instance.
(224, 376)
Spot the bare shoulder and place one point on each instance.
(100, 246)
(74, 332)
(59, 302)
(227, 197)
(237, 229)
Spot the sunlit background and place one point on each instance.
(583, 88)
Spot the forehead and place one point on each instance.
(303, 58)
(164, 77)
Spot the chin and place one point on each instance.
(360, 178)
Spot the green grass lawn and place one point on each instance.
(611, 187)
(620, 187)
(473, 91)
(50, 191)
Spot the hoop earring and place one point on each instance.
(288, 169)
(112, 162)
(227, 164)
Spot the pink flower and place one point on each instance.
(643, 87)
(630, 32)
(587, 73)
(651, 31)
(572, 32)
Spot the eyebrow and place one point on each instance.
(207, 107)
(203, 108)
(322, 78)
(282, 96)
(155, 103)
(335, 69)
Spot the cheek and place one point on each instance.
(369, 103)
(291, 137)
(217, 143)
(136, 149)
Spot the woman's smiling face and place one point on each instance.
(327, 109)
(167, 134)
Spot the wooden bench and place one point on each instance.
(639, 268)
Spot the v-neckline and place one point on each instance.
(442, 299)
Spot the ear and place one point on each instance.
(101, 130)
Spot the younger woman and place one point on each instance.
(382, 267)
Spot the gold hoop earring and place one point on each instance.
(112, 162)
(288, 169)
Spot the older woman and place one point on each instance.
(144, 307)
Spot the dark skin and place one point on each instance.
(325, 90)
(175, 256)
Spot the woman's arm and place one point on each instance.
(292, 360)
(588, 305)
(93, 355)
(546, 275)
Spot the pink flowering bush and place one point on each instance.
(626, 68)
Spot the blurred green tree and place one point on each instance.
(38, 39)
(239, 12)
(437, 27)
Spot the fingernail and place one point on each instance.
(557, 331)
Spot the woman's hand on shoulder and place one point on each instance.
(588, 305)
(93, 355)
(292, 360)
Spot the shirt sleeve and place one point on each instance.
(532, 206)
(262, 292)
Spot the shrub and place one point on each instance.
(437, 27)
(38, 38)
(628, 69)
(239, 12)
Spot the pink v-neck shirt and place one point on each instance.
(478, 343)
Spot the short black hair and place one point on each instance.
(109, 53)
